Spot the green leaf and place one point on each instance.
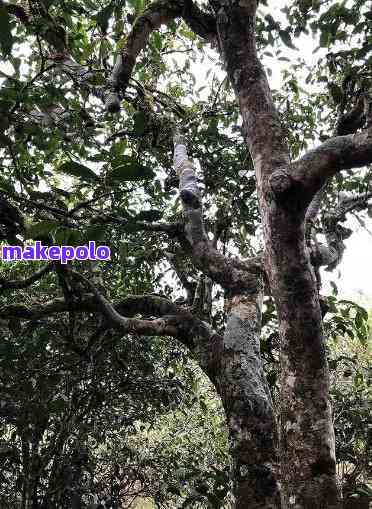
(359, 320)
(203, 406)
(139, 123)
(4, 184)
(58, 405)
(325, 38)
(78, 170)
(127, 168)
(104, 49)
(157, 39)
(6, 38)
(117, 149)
(174, 489)
(334, 288)
(272, 24)
(90, 4)
(286, 38)
(103, 17)
(336, 92)
(130, 227)
(95, 232)
(365, 490)
(41, 228)
(62, 236)
(136, 4)
(123, 250)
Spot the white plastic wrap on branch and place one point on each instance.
(112, 98)
(181, 160)
(189, 190)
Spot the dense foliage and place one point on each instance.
(88, 414)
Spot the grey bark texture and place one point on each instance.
(233, 362)
(246, 397)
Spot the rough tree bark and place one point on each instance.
(307, 436)
(233, 363)
(246, 398)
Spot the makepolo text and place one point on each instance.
(63, 253)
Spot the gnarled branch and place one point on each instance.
(339, 153)
(158, 13)
(146, 305)
(232, 274)
(330, 255)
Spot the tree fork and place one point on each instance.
(307, 437)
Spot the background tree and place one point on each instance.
(86, 102)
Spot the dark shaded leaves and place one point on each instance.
(6, 38)
(78, 170)
(127, 168)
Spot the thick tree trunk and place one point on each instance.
(307, 438)
(240, 382)
(308, 444)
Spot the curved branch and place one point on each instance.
(339, 153)
(171, 320)
(347, 123)
(330, 255)
(350, 122)
(232, 274)
(158, 13)
(200, 22)
(146, 305)
(188, 284)
(24, 283)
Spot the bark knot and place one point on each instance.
(280, 182)
(286, 191)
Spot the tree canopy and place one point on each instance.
(135, 124)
